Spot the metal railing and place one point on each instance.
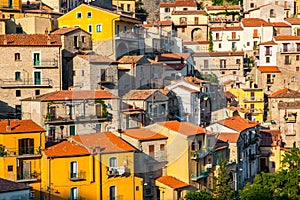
(199, 175)
(77, 176)
(236, 38)
(117, 171)
(23, 151)
(28, 176)
(126, 35)
(255, 98)
(25, 82)
(45, 63)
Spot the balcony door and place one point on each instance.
(37, 78)
(26, 146)
(36, 59)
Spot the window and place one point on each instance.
(267, 59)
(26, 146)
(185, 9)
(233, 45)
(128, 7)
(193, 146)
(206, 63)
(10, 168)
(196, 20)
(251, 5)
(251, 107)
(222, 63)
(285, 47)
(297, 57)
(18, 93)
(269, 79)
(297, 69)
(37, 92)
(73, 169)
(268, 51)
(217, 36)
(118, 30)
(10, 3)
(293, 79)
(248, 44)
(102, 74)
(89, 14)
(238, 61)
(112, 193)
(287, 60)
(167, 9)
(98, 28)
(272, 13)
(17, 76)
(74, 193)
(82, 39)
(151, 151)
(276, 3)
(17, 57)
(89, 28)
(183, 30)
(233, 35)
(36, 59)
(19, 29)
(162, 147)
(183, 20)
(255, 33)
(72, 130)
(125, 29)
(37, 78)
(122, 6)
(298, 47)
(76, 41)
(113, 162)
(98, 128)
(220, 45)
(79, 15)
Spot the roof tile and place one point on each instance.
(172, 182)
(268, 69)
(30, 40)
(238, 123)
(66, 149)
(184, 128)
(144, 134)
(20, 126)
(285, 93)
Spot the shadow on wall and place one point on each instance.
(6, 111)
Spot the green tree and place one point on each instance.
(140, 12)
(199, 195)
(210, 77)
(222, 183)
(211, 44)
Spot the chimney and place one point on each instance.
(5, 40)
(48, 40)
(46, 31)
(8, 127)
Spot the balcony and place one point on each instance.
(27, 176)
(66, 119)
(117, 171)
(217, 39)
(128, 35)
(290, 118)
(160, 156)
(289, 50)
(237, 38)
(26, 83)
(199, 175)
(47, 63)
(200, 153)
(253, 99)
(270, 81)
(24, 152)
(77, 176)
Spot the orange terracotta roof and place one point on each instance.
(20, 126)
(293, 21)
(268, 43)
(164, 23)
(144, 134)
(172, 182)
(268, 69)
(286, 37)
(174, 66)
(66, 149)
(229, 137)
(62, 31)
(255, 22)
(233, 7)
(165, 91)
(189, 12)
(281, 24)
(130, 59)
(238, 123)
(96, 59)
(180, 3)
(139, 94)
(69, 95)
(30, 40)
(285, 93)
(172, 56)
(227, 28)
(184, 128)
(106, 142)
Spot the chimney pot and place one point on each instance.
(8, 127)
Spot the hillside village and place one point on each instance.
(96, 103)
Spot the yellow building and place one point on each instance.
(11, 4)
(110, 31)
(251, 99)
(92, 166)
(21, 142)
(125, 5)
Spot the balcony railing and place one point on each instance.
(117, 171)
(49, 63)
(77, 176)
(250, 99)
(67, 119)
(289, 50)
(220, 67)
(160, 156)
(27, 176)
(26, 82)
(126, 35)
(20, 152)
(199, 175)
(201, 153)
